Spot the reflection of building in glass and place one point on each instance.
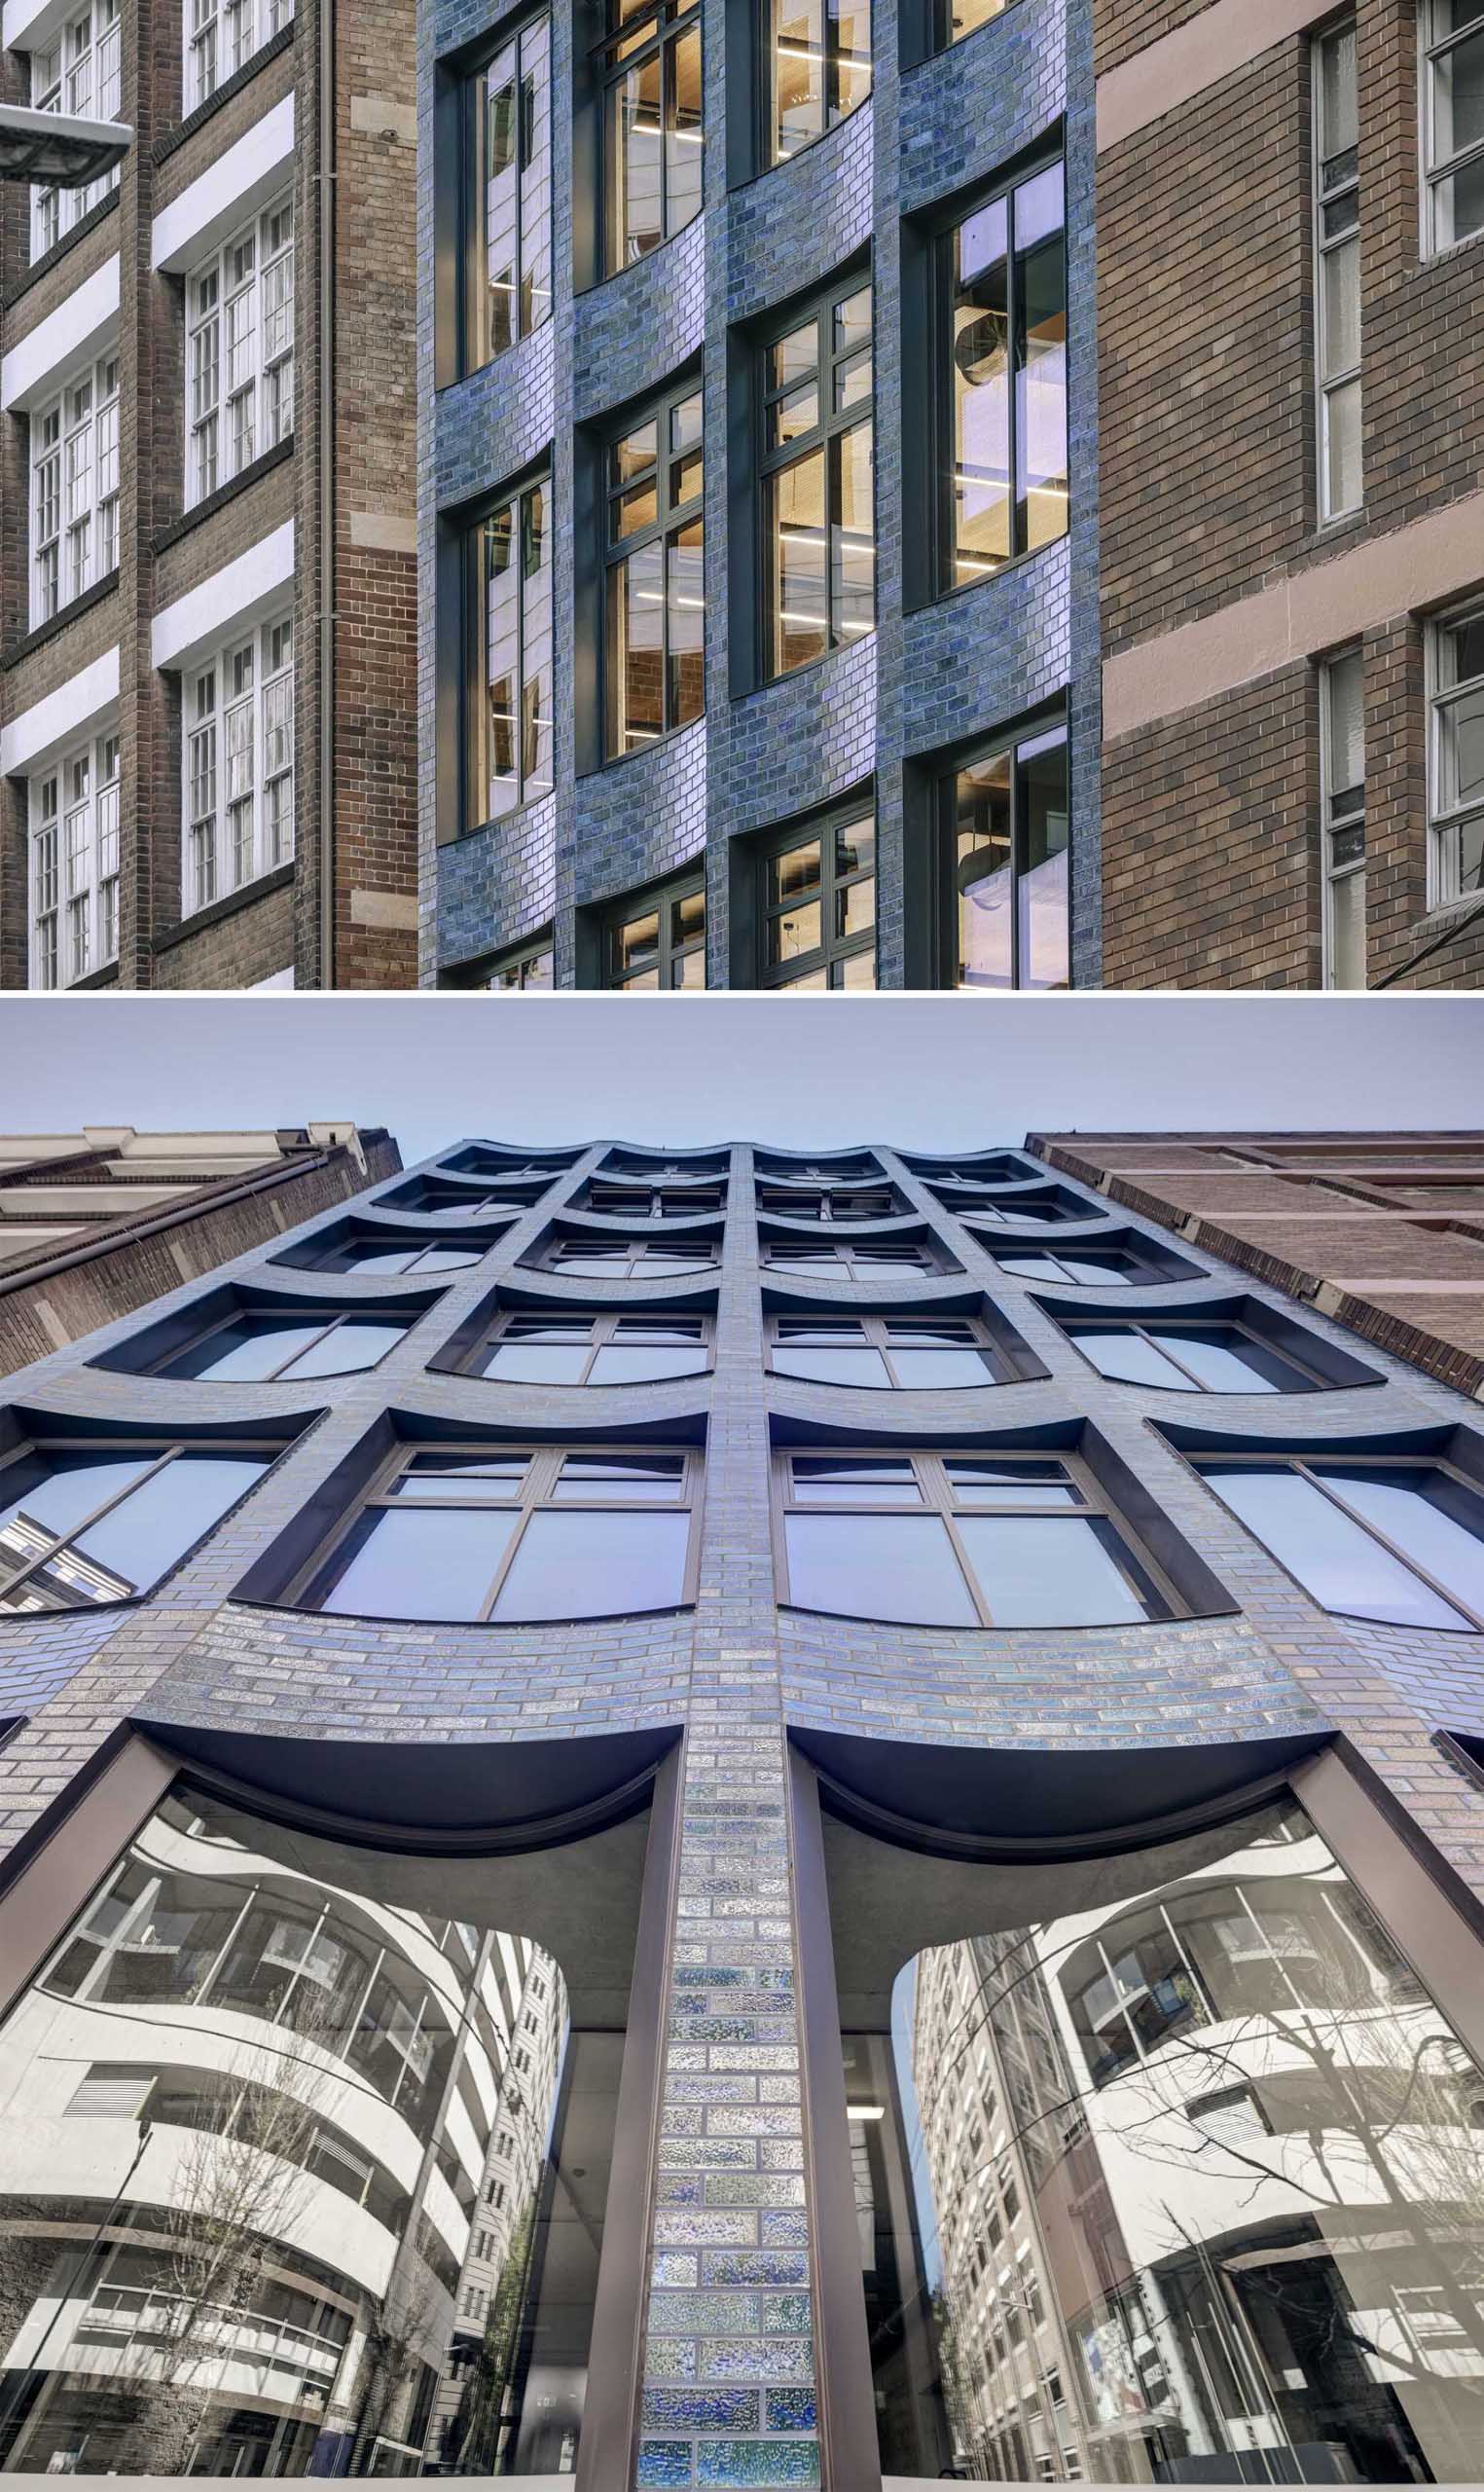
(1191, 2188)
(255, 2133)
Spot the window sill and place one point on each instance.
(784, 162)
(621, 760)
(50, 259)
(611, 276)
(462, 1626)
(217, 909)
(165, 147)
(992, 579)
(246, 477)
(60, 621)
(95, 981)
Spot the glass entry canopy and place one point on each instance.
(1183, 2184)
(298, 2174)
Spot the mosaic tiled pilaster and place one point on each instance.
(729, 2378)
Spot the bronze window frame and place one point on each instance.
(1189, 1319)
(650, 31)
(708, 1251)
(167, 1446)
(473, 350)
(674, 514)
(915, 1257)
(1291, 1458)
(828, 959)
(831, 1205)
(365, 1311)
(535, 1493)
(47, 1881)
(604, 1325)
(831, 370)
(874, 1331)
(671, 952)
(936, 1495)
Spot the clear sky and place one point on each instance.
(932, 1073)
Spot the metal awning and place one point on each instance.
(58, 147)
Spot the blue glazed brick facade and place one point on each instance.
(726, 2394)
(971, 665)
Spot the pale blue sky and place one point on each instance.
(935, 1072)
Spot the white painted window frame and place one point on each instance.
(239, 350)
(238, 762)
(73, 838)
(1446, 821)
(1433, 48)
(1338, 825)
(74, 491)
(221, 36)
(81, 73)
(1328, 386)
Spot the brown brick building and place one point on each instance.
(1383, 1232)
(93, 1224)
(206, 723)
(1290, 246)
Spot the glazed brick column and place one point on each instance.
(729, 2394)
(149, 102)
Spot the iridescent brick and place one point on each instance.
(664, 2463)
(752, 2120)
(757, 2267)
(787, 2315)
(733, 2229)
(670, 2358)
(754, 2188)
(683, 2267)
(702, 2409)
(784, 2224)
(758, 2463)
(792, 2409)
(703, 2314)
(770, 2357)
(704, 2154)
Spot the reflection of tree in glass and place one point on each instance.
(473, 2440)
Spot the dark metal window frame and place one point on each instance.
(1021, 747)
(859, 1330)
(636, 1250)
(936, 1496)
(659, 901)
(863, 1169)
(832, 422)
(1038, 1201)
(474, 672)
(1189, 1320)
(509, 1203)
(833, 949)
(472, 243)
(534, 1494)
(652, 30)
(615, 1199)
(271, 1319)
(1129, 1269)
(603, 1325)
(915, 1256)
(831, 1205)
(159, 1449)
(417, 1246)
(670, 518)
(941, 18)
(769, 155)
(481, 973)
(942, 231)
(1302, 1465)
(50, 1878)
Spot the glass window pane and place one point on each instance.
(685, 589)
(1044, 894)
(592, 1565)
(456, 1476)
(404, 1565)
(1128, 1359)
(938, 1369)
(800, 562)
(1023, 1484)
(1224, 1360)
(613, 1478)
(617, 1363)
(1337, 1562)
(251, 1346)
(1428, 1515)
(982, 871)
(526, 1362)
(823, 1479)
(45, 1494)
(891, 1566)
(636, 647)
(863, 1366)
(348, 1349)
(1048, 1571)
(1041, 383)
(159, 1522)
